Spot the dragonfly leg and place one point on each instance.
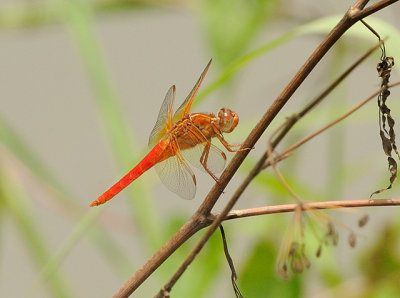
(204, 158)
(229, 146)
(200, 138)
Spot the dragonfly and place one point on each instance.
(180, 140)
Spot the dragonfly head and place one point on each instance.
(228, 120)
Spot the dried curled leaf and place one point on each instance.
(388, 136)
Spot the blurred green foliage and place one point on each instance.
(381, 264)
(230, 28)
(259, 277)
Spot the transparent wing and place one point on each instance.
(184, 109)
(164, 119)
(215, 162)
(196, 147)
(177, 176)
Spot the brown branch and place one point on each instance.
(235, 214)
(360, 13)
(200, 217)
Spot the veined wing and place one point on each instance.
(215, 161)
(176, 174)
(184, 109)
(198, 148)
(164, 120)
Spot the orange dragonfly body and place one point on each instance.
(179, 139)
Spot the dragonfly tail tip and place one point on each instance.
(95, 203)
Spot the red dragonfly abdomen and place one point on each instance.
(145, 164)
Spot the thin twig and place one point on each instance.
(272, 161)
(230, 263)
(285, 153)
(235, 214)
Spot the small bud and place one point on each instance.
(352, 240)
(319, 251)
(363, 220)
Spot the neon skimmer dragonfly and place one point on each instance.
(179, 139)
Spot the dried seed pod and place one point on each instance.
(297, 265)
(363, 220)
(305, 260)
(352, 239)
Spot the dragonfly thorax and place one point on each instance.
(227, 120)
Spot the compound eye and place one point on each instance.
(227, 120)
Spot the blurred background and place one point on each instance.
(81, 84)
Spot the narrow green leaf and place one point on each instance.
(240, 63)
(320, 26)
(52, 264)
(79, 21)
(40, 171)
(23, 151)
(18, 206)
